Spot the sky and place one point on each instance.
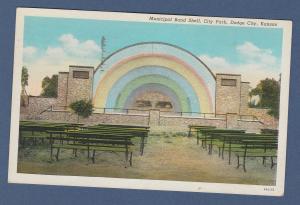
(52, 44)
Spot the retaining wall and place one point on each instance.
(156, 121)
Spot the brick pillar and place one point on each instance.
(228, 93)
(154, 116)
(232, 120)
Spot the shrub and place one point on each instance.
(82, 108)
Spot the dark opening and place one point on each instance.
(81, 74)
(228, 82)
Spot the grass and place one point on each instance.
(168, 156)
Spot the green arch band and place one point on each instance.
(154, 79)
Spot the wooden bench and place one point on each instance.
(207, 133)
(91, 142)
(234, 141)
(195, 127)
(269, 131)
(36, 130)
(136, 131)
(257, 148)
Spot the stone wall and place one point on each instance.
(95, 118)
(263, 116)
(162, 123)
(79, 88)
(228, 97)
(186, 121)
(37, 105)
(250, 125)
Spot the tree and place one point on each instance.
(268, 91)
(24, 83)
(82, 108)
(49, 86)
(24, 78)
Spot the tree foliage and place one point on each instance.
(24, 77)
(82, 108)
(24, 83)
(49, 86)
(268, 91)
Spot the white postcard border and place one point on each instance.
(164, 185)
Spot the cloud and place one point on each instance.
(29, 53)
(54, 59)
(80, 49)
(218, 64)
(54, 55)
(256, 63)
(252, 53)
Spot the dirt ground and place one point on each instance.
(166, 157)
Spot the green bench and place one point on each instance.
(269, 131)
(91, 142)
(234, 142)
(36, 130)
(35, 133)
(243, 145)
(195, 127)
(136, 131)
(257, 149)
(207, 133)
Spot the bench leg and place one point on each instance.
(94, 153)
(244, 163)
(210, 149)
(75, 152)
(264, 161)
(238, 162)
(229, 157)
(51, 153)
(126, 158)
(142, 145)
(272, 162)
(219, 152)
(223, 152)
(57, 153)
(130, 159)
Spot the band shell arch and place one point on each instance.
(156, 66)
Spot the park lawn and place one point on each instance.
(167, 156)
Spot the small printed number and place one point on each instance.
(269, 189)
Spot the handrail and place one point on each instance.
(50, 108)
(182, 114)
(126, 110)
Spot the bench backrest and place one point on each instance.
(84, 138)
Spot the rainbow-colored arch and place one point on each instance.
(172, 70)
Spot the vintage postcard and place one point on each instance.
(149, 101)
